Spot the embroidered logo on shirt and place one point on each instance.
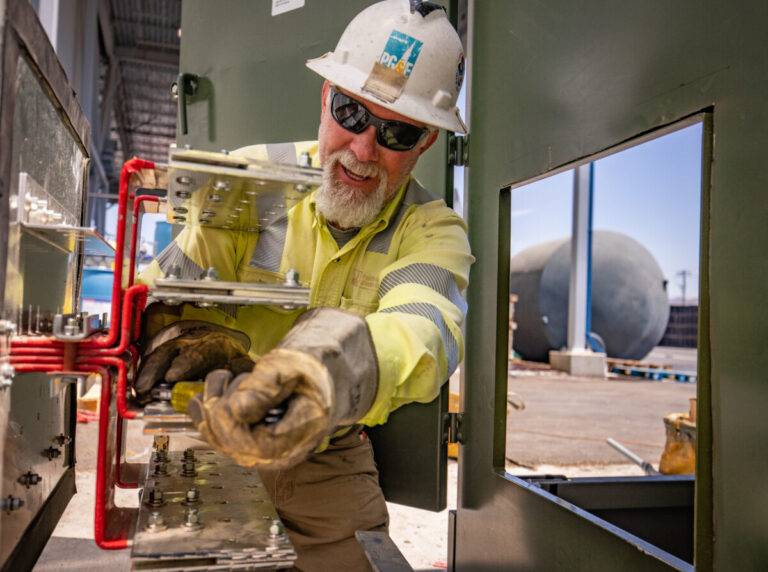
(363, 280)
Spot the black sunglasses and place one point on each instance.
(353, 116)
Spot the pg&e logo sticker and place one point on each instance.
(400, 53)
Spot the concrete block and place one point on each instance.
(584, 363)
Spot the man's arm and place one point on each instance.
(417, 327)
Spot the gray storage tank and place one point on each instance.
(630, 308)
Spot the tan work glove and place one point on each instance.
(188, 350)
(324, 374)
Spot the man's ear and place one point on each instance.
(431, 138)
(324, 96)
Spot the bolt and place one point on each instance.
(188, 468)
(162, 456)
(207, 213)
(276, 529)
(11, 503)
(203, 221)
(211, 274)
(192, 516)
(71, 328)
(193, 496)
(184, 180)
(183, 194)
(174, 272)
(52, 453)
(180, 210)
(177, 218)
(156, 497)
(221, 185)
(161, 469)
(189, 454)
(156, 522)
(291, 278)
(214, 198)
(62, 439)
(30, 478)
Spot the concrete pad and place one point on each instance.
(583, 363)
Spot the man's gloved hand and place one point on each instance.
(188, 350)
(324, 373)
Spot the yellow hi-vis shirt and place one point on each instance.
(403, 272)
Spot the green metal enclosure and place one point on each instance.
(253, 87)
(555, 84)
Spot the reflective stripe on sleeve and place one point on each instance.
(173, 256)
(269, 250)
(228, 309)
(438, 279)
(433, 314)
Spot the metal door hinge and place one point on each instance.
(458, 150)
(452, 432)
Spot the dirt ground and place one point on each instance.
(562, 429)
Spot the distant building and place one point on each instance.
(682, 328)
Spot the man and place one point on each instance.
(385, 262)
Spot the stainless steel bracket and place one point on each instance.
(76, 326)
(209, 292)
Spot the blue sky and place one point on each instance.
(651, 192)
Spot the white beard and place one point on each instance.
(345, 206)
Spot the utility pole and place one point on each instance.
(683, 276)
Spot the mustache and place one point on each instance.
(349, 161)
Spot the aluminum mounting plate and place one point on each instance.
(219, 190)
(235, 515)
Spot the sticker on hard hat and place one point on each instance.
(460, 73)
(391, 71)
(400, 53)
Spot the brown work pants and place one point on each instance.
(325, 499)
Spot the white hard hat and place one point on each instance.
(403, 55)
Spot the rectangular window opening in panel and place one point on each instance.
(603, 297)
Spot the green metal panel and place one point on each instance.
(416, 476)
(553, 84)
(253, 87)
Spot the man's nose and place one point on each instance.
(364, 145)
